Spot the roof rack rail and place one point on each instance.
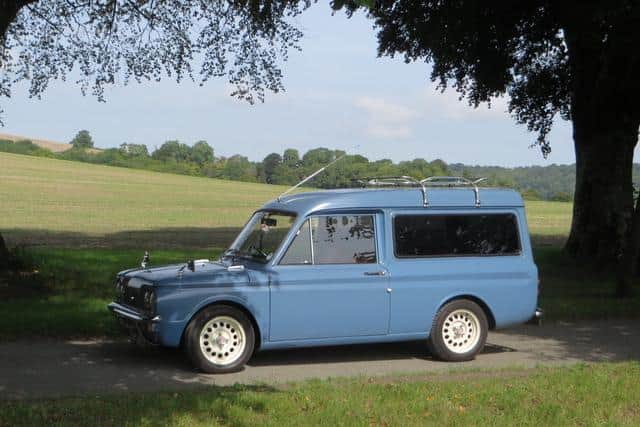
(432, 181)
(454, 181)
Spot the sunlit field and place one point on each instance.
(64, 204)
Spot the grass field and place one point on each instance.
(82, 223)
(585, 395)
(62, 203)
(65, 203)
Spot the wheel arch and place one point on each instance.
(230, 303)
(483, 305)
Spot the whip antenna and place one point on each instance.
(310, 177)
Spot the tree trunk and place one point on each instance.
(603, 64)
(603, 200)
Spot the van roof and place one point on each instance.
(376, 198)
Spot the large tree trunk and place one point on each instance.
(603, 201)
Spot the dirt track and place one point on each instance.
(48, 368)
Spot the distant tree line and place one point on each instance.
(553, 182)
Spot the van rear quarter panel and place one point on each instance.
(508, 285)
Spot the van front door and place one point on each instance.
(330, 283)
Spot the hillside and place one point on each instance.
(553, 182)
(54, 147)
(49, 200)
(72, 203)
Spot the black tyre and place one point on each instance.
(220, 339)
(459, 331)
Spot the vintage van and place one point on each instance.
(438, 260)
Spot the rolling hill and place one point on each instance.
(64, 203)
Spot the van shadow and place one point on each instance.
(353, 353)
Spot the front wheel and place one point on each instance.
(459, 331)
(220, 339)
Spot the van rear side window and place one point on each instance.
(456, 235)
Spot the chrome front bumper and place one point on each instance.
(126, 313)
(142, 329)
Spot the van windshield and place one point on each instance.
(262, 235)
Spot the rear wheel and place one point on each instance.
(459, 331)
(220, 339)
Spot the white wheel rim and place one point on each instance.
(222, 340)
(461, 331)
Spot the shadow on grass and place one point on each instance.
(574, 290)
(157, 238)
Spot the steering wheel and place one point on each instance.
(258, 251)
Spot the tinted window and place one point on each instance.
(456, 235)
(299, 251)
(343, 239)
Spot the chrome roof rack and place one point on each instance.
(454, 181)
(432, 181)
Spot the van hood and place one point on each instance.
(204, 274)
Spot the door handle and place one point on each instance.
(374, 273)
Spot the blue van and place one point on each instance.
(439, 260)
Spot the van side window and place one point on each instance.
(343, 239)
(456, 235)
(299, 252)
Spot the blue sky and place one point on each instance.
(338, 95)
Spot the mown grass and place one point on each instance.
(56, 196)
(47, 201)
(604, 394)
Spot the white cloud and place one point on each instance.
(448, 105)
(389, 131)
(386, 120)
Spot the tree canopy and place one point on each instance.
(100, 43)
(578, 60)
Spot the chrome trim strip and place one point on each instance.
(127, 313)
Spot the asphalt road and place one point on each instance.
(48, 368)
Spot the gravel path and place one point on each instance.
(50, 368)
